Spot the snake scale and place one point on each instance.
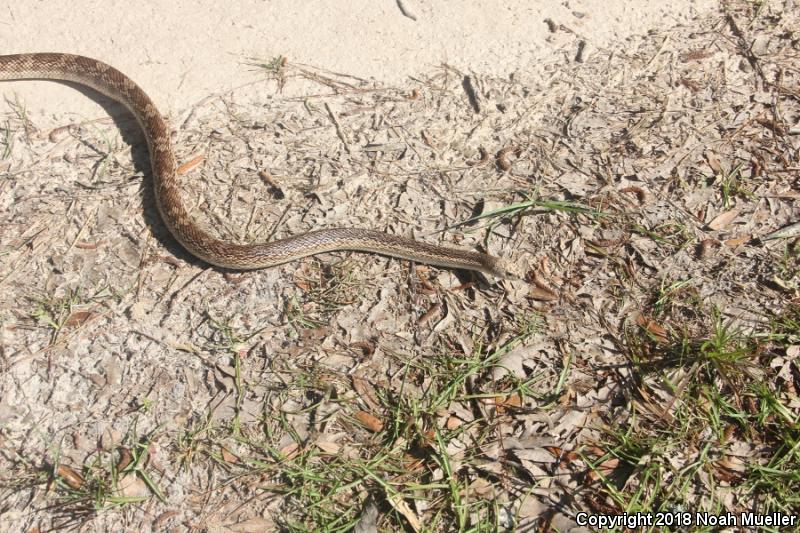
(119, 87)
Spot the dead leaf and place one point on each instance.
(729, 469)
(70, 476)
(76, 318)
(542, 294)
(652, 327)
(723, 220)
(253, 525)
(125, 458)
(369, 421)
(641, 194)
(508, 403)
(430, 314)
(131, 486)
(453, 422)
(368, 521)
(481, 488)
(713, 162)
(367, 347)
(732, 243)
(290, 451)
(228, 456)
(328, 447)
(604, 469)
(403, 508)
(190, 164)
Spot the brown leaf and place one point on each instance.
(328, 447)
(70, 476)
(604, 469)
(652, 327)
(396, 501)
(737, 241)
(713, 162)
(723, 220)
(369, 421)
(642, 195)
(543, 295)
(453, 422)
(76, 318)
(190, 164)
(506, 403)
(433, 312)
(729, 469)
(228, 456)
(125, 458)
(290, 451)
(502, 158)
(484, 159)
(366, 347)
(253, 525)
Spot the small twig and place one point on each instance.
(405, 11)
(471, 94)
(338, 127)
(579, 53)
(485, 157)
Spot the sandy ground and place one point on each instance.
(183, 51)
(648, 179)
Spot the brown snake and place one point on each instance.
(117, 86)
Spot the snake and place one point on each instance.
(112, 83)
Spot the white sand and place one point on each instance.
(182, 51)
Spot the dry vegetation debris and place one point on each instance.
(648, 362)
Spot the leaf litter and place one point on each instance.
(305, 391)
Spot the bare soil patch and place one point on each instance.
(648, 362)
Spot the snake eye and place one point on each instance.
(507, 270)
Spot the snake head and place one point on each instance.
(502, 268)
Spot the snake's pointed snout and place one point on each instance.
(507, 270)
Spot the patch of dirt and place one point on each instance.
(661, 165)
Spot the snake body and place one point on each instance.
(119, 87)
